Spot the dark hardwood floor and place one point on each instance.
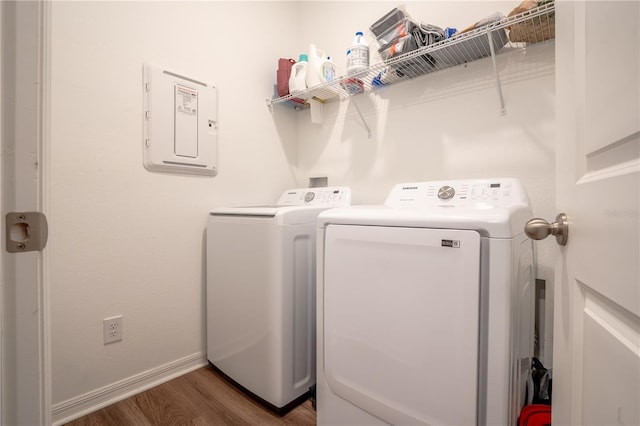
(202, 397)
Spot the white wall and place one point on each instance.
(125, 241)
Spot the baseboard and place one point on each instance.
(89, 402)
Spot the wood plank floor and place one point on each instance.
(202, 397)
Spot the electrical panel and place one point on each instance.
(180, 123)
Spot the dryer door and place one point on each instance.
(401, 315)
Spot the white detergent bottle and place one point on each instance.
(358, 55)
(297, 80)
(328, 70)
(316, 58)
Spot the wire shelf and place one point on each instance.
(517, 31)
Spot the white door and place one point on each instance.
(401, 320)
(24, 396)
(597, 294)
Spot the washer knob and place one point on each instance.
(309, 196)
(446, 193)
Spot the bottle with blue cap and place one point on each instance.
(358, 55)
(297, 80)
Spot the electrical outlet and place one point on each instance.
(112, 329)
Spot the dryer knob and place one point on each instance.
(446, 193)
(309, 196)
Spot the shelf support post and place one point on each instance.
(362, 118)
(503, 110)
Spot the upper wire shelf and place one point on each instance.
(517, 31)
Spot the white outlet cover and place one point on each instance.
(112, 329)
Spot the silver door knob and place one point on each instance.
(539, 229)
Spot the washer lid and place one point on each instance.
(267, 210)
(278, 215)
(316, 198)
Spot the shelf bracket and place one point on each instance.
(361, 117)
(503, 110)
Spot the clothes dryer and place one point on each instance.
(261, 293)
(425, 306)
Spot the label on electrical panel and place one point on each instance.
(185, 119)
(451, 243)
(186, 100)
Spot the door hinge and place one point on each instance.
(26, 231)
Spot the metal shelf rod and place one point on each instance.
(503, 110)
(362, 118)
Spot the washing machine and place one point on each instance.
(261, 293)
(426, 306)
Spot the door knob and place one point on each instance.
(539, 229)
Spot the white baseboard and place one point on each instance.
(89, 402)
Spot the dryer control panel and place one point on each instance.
(329, 196)
(499, 192)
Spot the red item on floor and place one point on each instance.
(535, 415)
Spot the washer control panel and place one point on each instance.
(481, 192)
(328, 196)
